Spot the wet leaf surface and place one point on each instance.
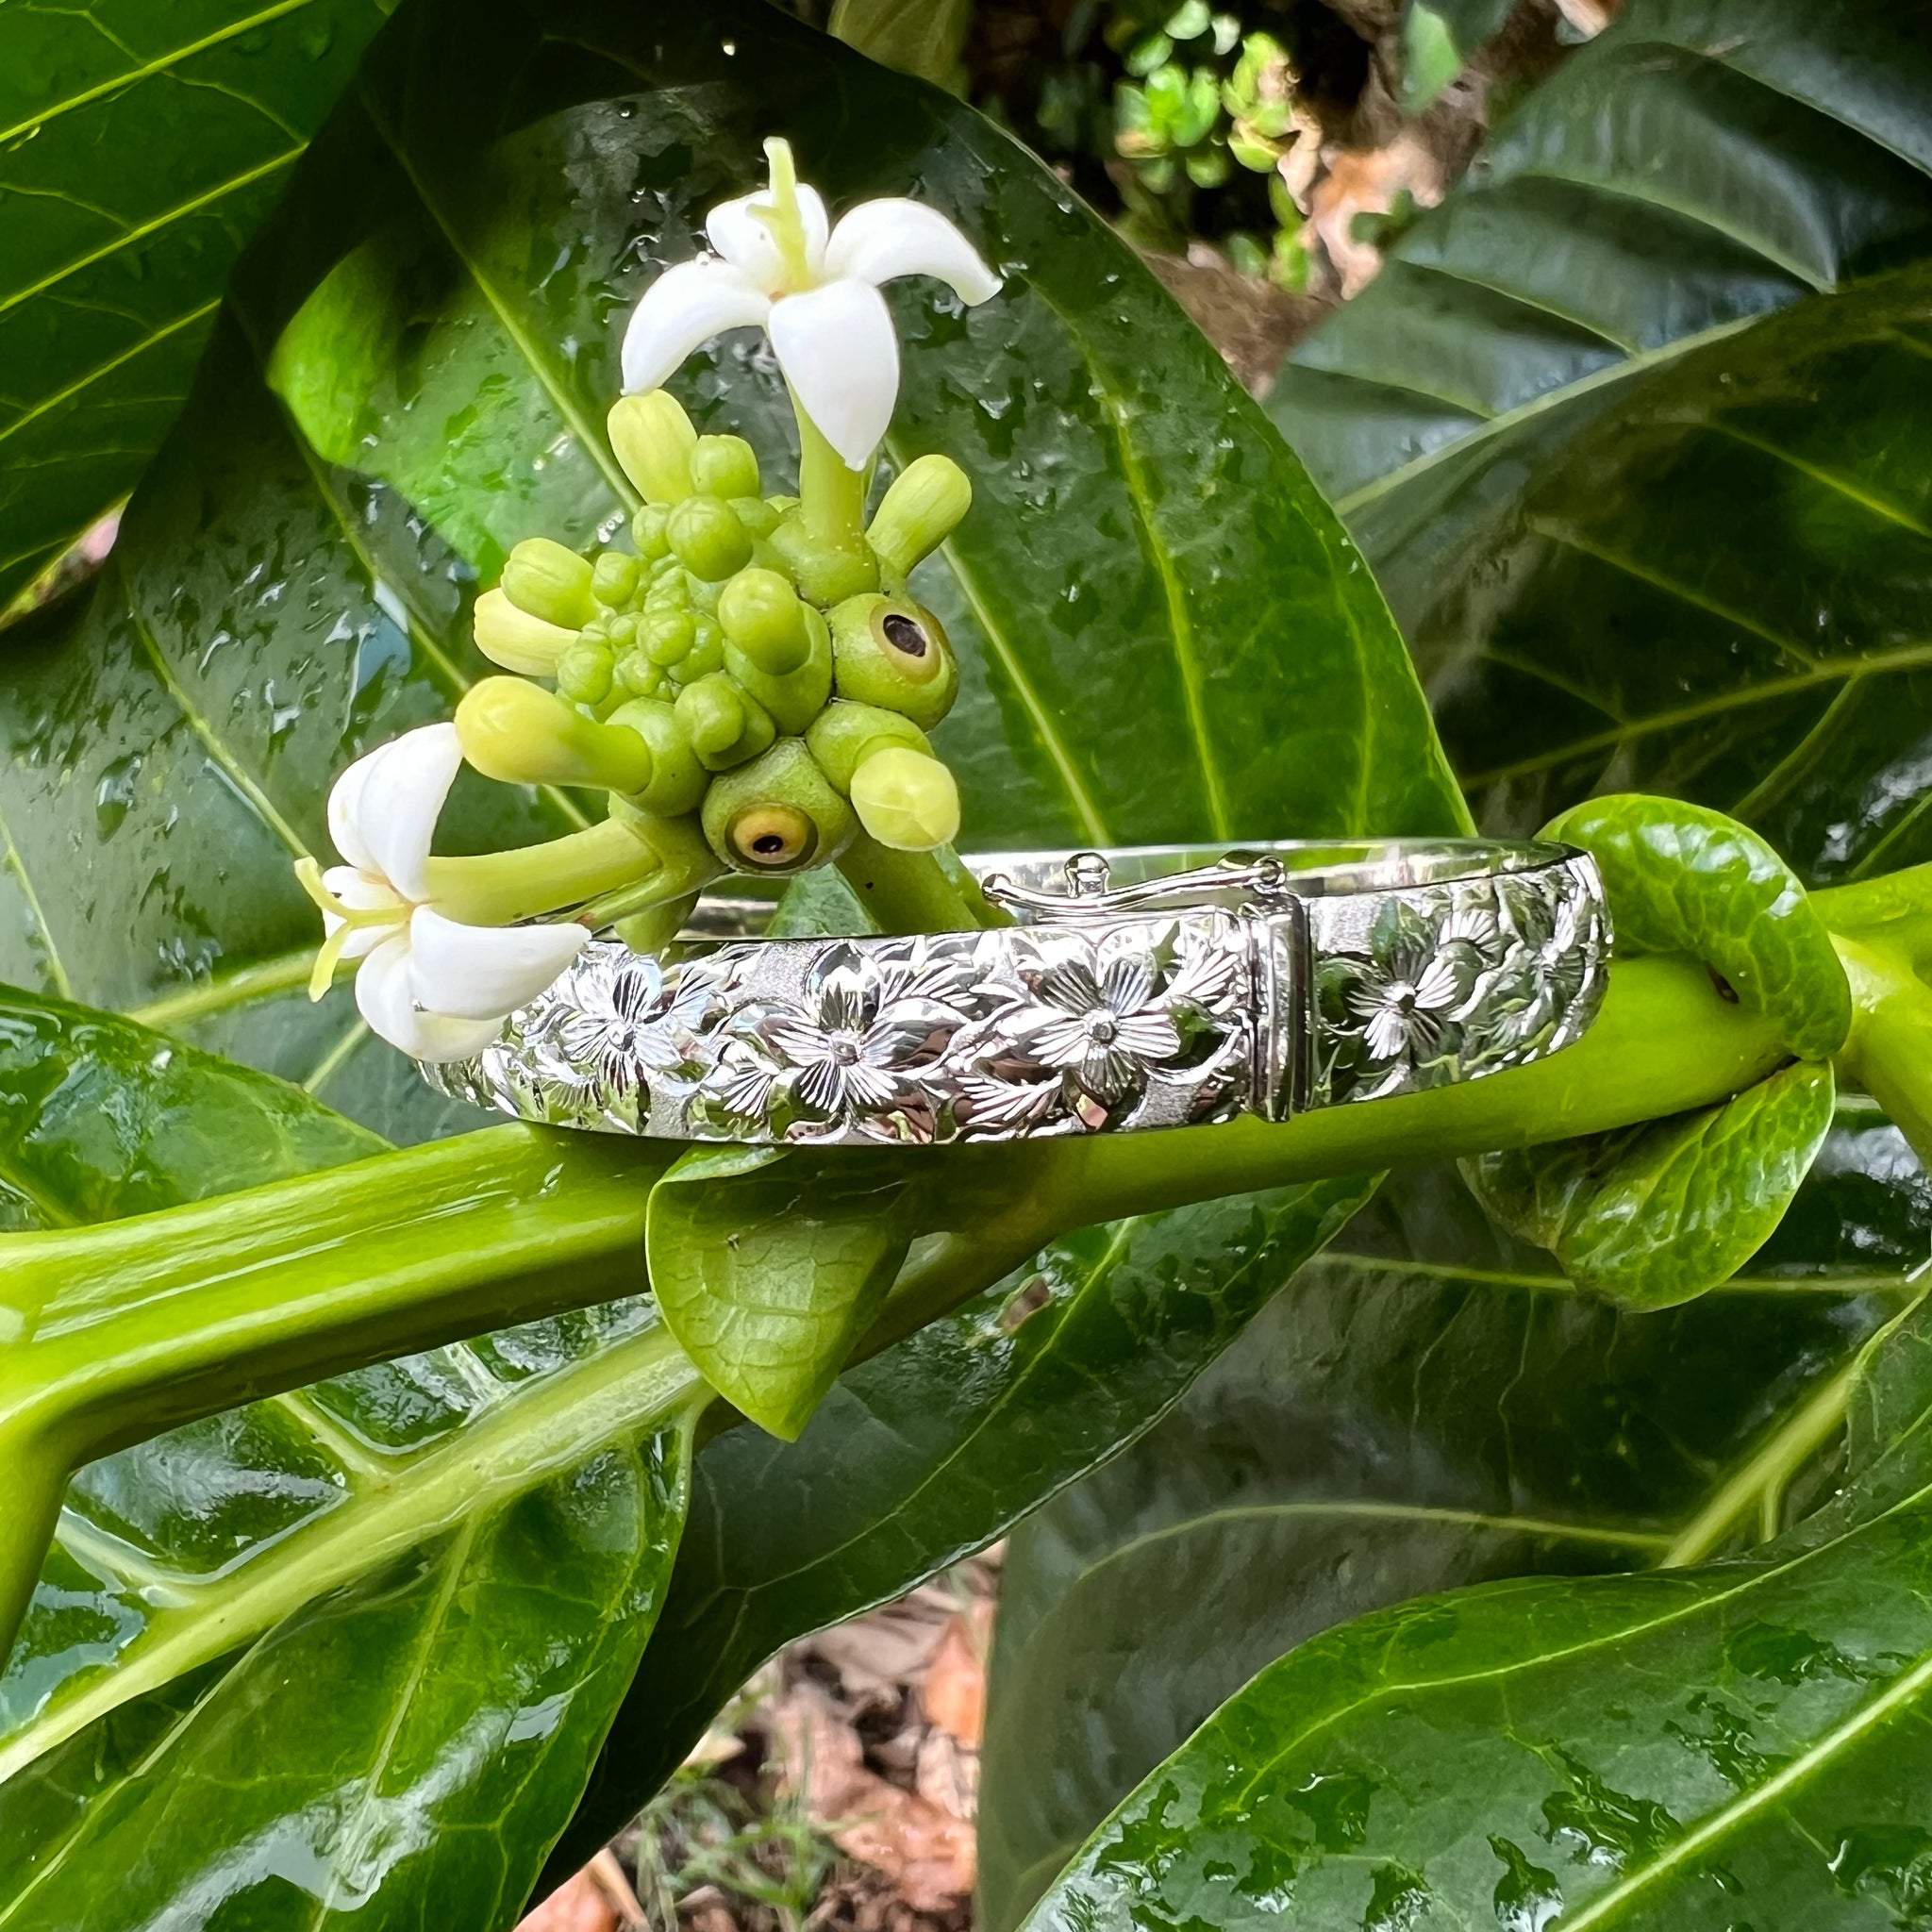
(142, 145)
(488, 1608)
(1429, 1406)
(292, 586)
(768, 1269)
(936, 1447)
(1622, 430)
(1654, 1215)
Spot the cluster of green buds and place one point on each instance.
(730, 663)
(748, 677)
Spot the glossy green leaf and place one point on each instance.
(937, 1446)
(101, 1118)
(1720, 1746)
(1621, 428)
(143, 145)
(768, 1268)
(268, 615)
(447, 1704)
(1657, 1214)
(1431, 1405)
(487, 1605)
(923, 37)
(1684, 879)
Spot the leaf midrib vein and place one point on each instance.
(427, 1494)
(1877, 663)
(161, 63)
(560, 399)
(1538, 406)
(1179, 618)
(152, 227)
(1091, 823)
(1623, 1633)
(108, 367)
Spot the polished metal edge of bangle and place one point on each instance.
(1176, 1000)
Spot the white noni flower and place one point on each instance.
(779, 265)
(428, 984)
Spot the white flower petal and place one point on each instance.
(484, 972)
(344, 806)
(683, 308)
(879, 239)
(383, 996)
(734, 231)
(836, 348)
(395, 807)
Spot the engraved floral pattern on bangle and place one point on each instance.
(849, 1053)
(623, 1029)
(860, 1036)
(1097, 1024)
(1103, 1026)
(1418, 981)
(1474, 977)
(1151, 1022)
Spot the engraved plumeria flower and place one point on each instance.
(433, 985)
(622, 1030)
(859, 1037)
(1102, 1024)
(1404, 997)
(778, 264)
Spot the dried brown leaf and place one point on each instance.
(925, 1853)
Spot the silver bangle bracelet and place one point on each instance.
(1155, 986)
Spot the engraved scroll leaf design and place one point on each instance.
(1458, 981)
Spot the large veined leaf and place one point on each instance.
(271, 610)
(142, 145)
(927, 1453)
(1429, 1406)
(1625, 428)
(488, 1610)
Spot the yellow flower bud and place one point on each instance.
(722, 725)
(516, 640)
(549, 581)
(524, 735)
(919, 512)
(654, 438)
(906, 800)
(844, 735)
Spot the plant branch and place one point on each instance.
(138, 1325)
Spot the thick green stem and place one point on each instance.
(129, 1329)
(1894, 908)
(498, 887)
(831, 497)
(123, 1330)
(1889, 1051)
(911, 892)
(34, 1480)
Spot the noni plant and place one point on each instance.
(1502, 1503)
